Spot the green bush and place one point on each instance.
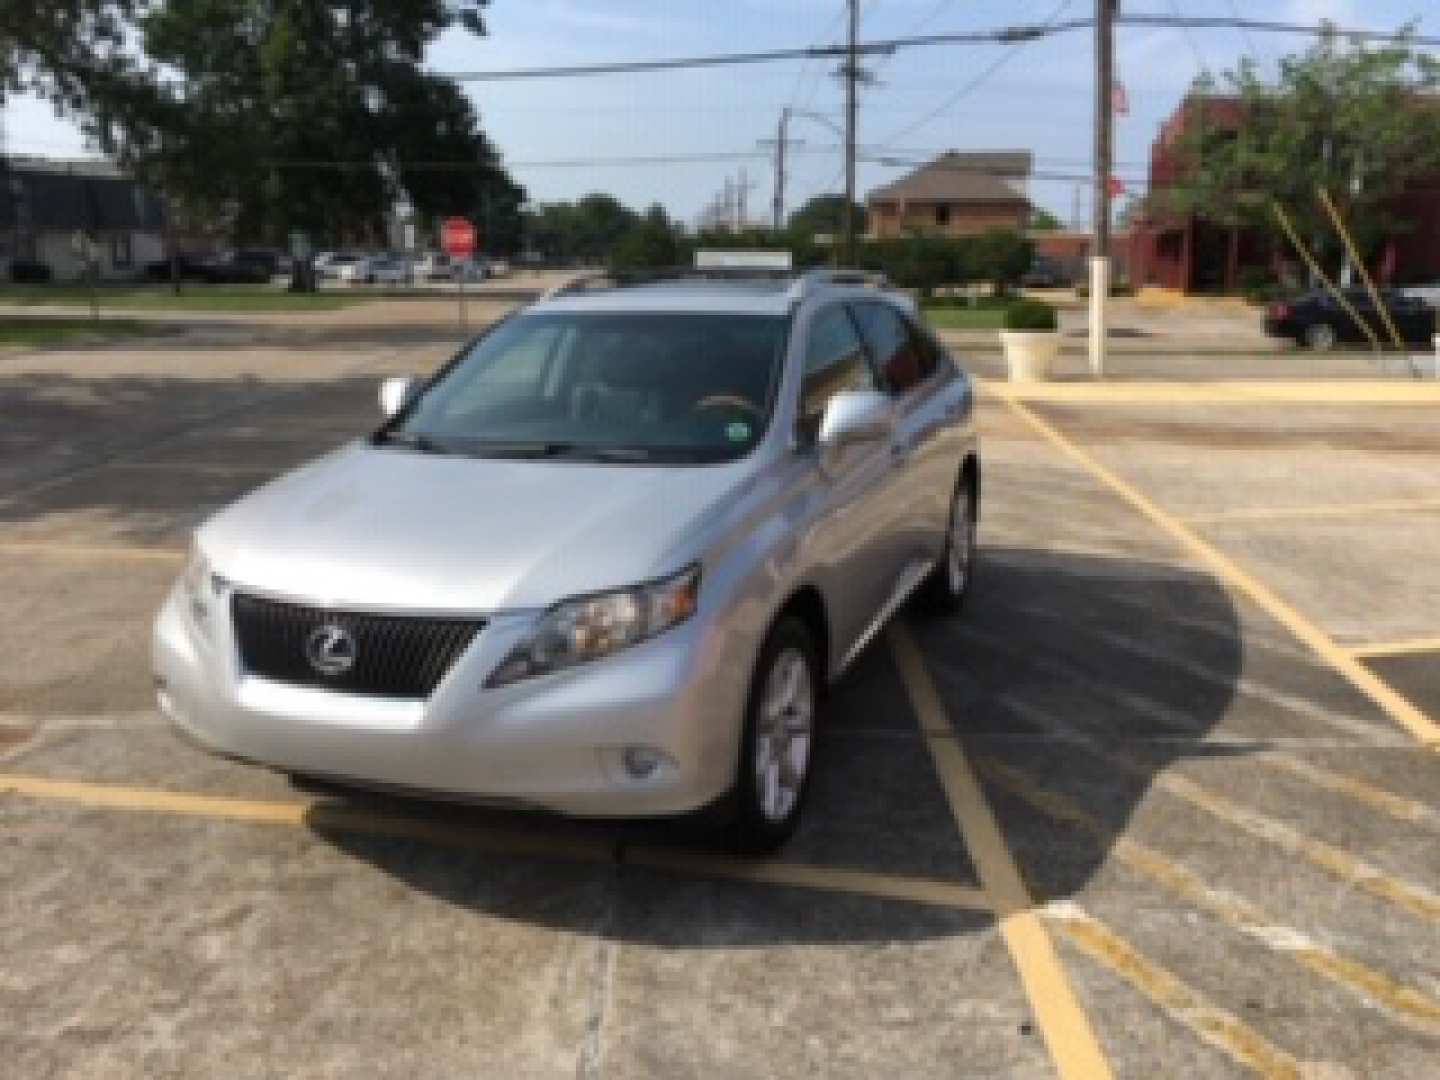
(1034, 315)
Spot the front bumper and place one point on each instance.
(555, 742)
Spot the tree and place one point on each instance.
(1001, 256)
(1043, 220)
(1360, 122)
(825, 214)
(587, 229)
(653, 243)
(67, 50)
(305, 114)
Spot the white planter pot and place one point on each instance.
(1030, 354)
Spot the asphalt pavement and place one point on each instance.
(1161, 802)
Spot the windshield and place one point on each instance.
(624, 387)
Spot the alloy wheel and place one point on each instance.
(961, 547)
(785, 727)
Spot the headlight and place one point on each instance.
(201, 585)
(589, 627)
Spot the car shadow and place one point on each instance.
(1060, 663)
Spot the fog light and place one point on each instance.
(641, 761)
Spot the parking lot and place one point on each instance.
(1165, 800)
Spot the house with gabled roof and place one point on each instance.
(960, 193)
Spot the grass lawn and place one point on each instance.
(986, 315)
(27, 331)
(191, 298)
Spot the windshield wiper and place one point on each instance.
(542, 448)
(423, 444)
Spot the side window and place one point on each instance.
(902, 356)
(834, 361)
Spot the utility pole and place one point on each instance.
(1104, 131)
(852, 76)
(742, 190)
(782, 143)
(778, 219)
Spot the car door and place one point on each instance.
(923, 479)
(850, 515)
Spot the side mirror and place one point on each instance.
(852, 417)
(395, 394)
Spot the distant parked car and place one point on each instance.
(477, 269)
(1429, 294)
(1317, 320)
(267, 261)
(231, 269)
(188, 268)
(30, 272)
(434, 266)
(342, 266)
(387, 269)
(1045, 273)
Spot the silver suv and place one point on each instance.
(605, 561)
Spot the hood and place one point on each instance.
(384, 528)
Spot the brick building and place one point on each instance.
(957, 194)
(1190, 254)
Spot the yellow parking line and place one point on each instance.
(1400, 709)
(1412, 1007)
(1225, 391)
(321, 815)
(1066, 1029)
(1350, 869)
(1387, 802)
(91, 551)
(823, 878)
(1283, 513)
(1221, 1029)
(1395, 648)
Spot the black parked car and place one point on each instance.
(1316, 319)
(191, 268)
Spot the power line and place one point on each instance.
(1269, 26)
(975, 83)
(884, 47)
(1190, 40)
(811, 52)
(1245, 34)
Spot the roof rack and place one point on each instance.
(802, 283)
(821, 276)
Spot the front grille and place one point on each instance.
(399, 656)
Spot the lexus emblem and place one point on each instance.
(330, 649)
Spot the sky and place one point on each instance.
(1039, 97)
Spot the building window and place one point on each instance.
(120, 253)
(942, 214)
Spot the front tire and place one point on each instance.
(1321, 337)
(778, 742)
(944, 591)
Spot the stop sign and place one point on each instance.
(457, 237)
